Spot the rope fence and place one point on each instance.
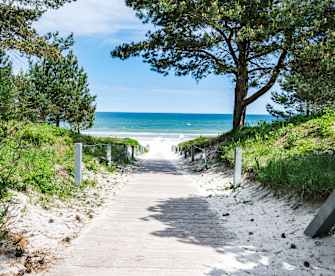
(107, 153)
(205, 155)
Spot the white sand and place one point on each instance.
(265, 227)
(160, 146)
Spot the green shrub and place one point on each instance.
(41, 157)
(37, 169)
(91, 140)
(200, 142)
(42, 134)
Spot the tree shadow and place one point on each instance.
(191, 221)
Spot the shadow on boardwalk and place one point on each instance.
(190, 220)
(234, 246)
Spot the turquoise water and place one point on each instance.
(112, 123)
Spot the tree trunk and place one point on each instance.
(241, 92)
(239, 109)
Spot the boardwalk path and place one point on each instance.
(156, 226)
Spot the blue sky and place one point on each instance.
(130, 86)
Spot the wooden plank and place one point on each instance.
(324, 220)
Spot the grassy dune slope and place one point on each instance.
(41, 157)
(296, 155)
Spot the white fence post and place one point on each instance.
(109, 155)
(238, 167)
(125, 152)
(78, 163)
(132, 152)
(128, 152)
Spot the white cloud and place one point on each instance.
(90, 17)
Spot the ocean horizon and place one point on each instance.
(166, 124)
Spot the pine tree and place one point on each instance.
(16, 25)
(60, 88)
(308, 87)
(250, 40)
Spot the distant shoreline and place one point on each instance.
(164, 125)
(176, 113)
(147, 134)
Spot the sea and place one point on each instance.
(125, 124)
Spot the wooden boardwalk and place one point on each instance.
(158, 225)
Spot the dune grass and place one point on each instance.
(40, 157)
(297, 155)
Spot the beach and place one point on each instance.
(166, 216)
(169, 212)
(159, 203)
(167, 138)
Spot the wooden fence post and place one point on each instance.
(206, 159)
(109, 155)
(132, 152)
(78, 163)
(238, 167)
(192, 153)
(324, 220)
(125, 152)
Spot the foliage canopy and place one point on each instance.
(309, 85)
(250, 40)
(16, 25)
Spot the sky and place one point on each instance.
(130, 86)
